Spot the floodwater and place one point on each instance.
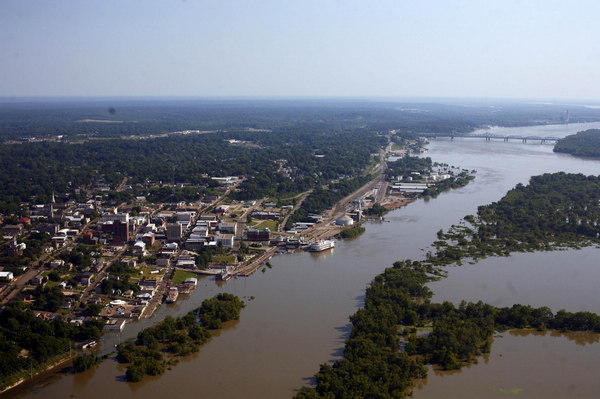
(298, 318)
(524, 364)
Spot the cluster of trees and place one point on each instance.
(460, 180)
(586, 144)
(180, 337)
(406, 165)
(84, 362)
(376, 210)
(352, 232)
(375, 364)
(28, 342)
(111, 286)
(47, 298)
(553, 210)
(121, 269)
(178, 194)
(223, 307)
(205, 255)
(80, 256)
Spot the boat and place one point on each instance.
(321, 245)
(184, 288)
(225, 275)
(88, 344)
(193, 281)
(172, 295)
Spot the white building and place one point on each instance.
(226, 240)
(8, 276)
(139, 248)
(112, 217)
(344, 221)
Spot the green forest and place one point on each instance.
(585, 144)
(33, 171)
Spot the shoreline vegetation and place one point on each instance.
(176, 337)
(584, 144)
(31, 345)
(383, 354)
(352, 232)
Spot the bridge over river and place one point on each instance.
(489, 137)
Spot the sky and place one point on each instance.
(206, 48)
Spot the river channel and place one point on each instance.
(297, 311)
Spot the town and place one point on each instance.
(118, 261)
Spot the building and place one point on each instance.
(39, 280)
(139, 248)
(186, 262)
(84, 278)
(115, 325)
(221, 209)
(210, 218)
(259, 235)
(7, 276)
(118, 229)
(15, 248)
(344, 221)
(174, 231)
(89, 239)
(148, 239)
(228, 227)
(226, 240)
(185, 216)
(12, 230)
(50, 228)
(266, 215)
(113, 216)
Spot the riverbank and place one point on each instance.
(49, 368)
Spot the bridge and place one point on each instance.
(490, 137)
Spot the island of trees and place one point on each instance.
(585, 144)
(176, 336)
(384, 355)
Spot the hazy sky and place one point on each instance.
(478, 48)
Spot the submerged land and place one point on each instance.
(118, 220)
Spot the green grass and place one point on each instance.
(181, 275)
(271, 224)
(51, 284)
(226, 259)
(146, 273)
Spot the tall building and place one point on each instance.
(174, 231)
(118, 229)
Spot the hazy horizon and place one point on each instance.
(493, 50)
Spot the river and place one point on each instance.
(298, 317)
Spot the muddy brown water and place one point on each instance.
(298, 318)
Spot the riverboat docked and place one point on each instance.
(321, 245)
